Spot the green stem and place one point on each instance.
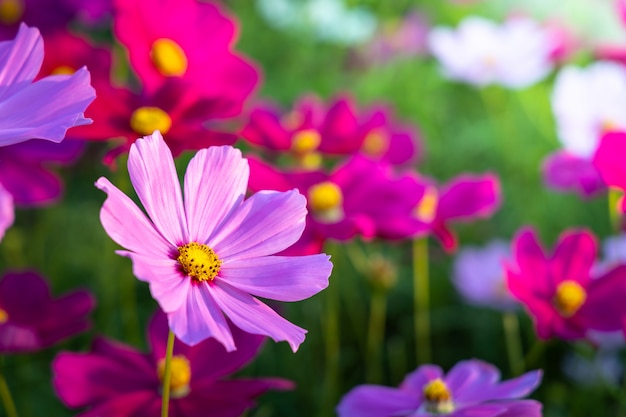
(376, 335)
(534, 354)
(421, 299)
(331, 338)
(7, 400)
(167, 373)
(615, 196)
(513, 343)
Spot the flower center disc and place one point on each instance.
(146, 120)
(11, 11)
(4, 316)
(63, 70)
(325, 199)
(426, 209)
(199, 261)
(180, 375)
(305, 141)
(376, 142)
(570, 296)
(168, 57)
(438, 397)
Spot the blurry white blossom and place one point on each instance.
(515, 54)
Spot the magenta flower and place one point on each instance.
(352, 200)
(117, 380)
(30, 319)
(564, 171)
(7, 214)
(609, 162)
(201, 55)
(46, 108)
(311, 131)
(559, 290)
(470, 388)
(210, 253)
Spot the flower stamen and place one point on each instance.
(325, 200)
(305, 141)
(376, 142)
(168, 57)
(11, 11)
(438, 397)
(199, 261)
(426, 209)
(146, 120)
(180, 375)
(4, 316)
(569, 297)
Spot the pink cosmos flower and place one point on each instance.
(470, 388)
(312, 130)
(559, 290)
(46, 108)
(175, 109)
(201, 55)
(352, 200)
(211, 253)
(564, 171)
(7, 214)
(30, 319)
(609, 161)
(515, 54)
(117, 380)
(429, 208)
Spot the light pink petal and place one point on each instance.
(7, 211)
(153, 174)
(283, 278)
(20, 60)
(252, 316)
(215, 183)
(126, 224)
(264, 224)
(200, 318)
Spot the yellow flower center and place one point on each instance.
(376, 142)
(438, 397)
(570, 296)
(63, 70)
(426, 209)
(199, 261)
(11, 11)
(325, 199)
(145, 120)
(305, 141)
(310, 160)
(608, 125)
(180, 375)
(4, 316)
(168, 57)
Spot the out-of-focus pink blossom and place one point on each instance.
(7, 212)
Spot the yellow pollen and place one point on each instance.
(199, 261)
(608, 125)
(438, 397)
(310, 160)
(4, 316)
(426, 209)
(325, 200)
(168, 57)
(376, 142)
(11, 11)
(63, 70)
(145, 120)
(305, 141)
(180, 375)
(570, 296)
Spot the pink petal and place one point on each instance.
(200, 318)
(264, 224)
(283, 278)
(605, 307)
(416, 380)
(532, 263)
(609, 159)
(377, 401)
(252, 316)
(215, 184)
(126, 224)
(153, 174)
(7, 211)
(573, 258)
(20, 60)
(469, 196)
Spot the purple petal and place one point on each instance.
(7, 211)
(23, 295)
(252, 316)
(566, 172)
(522, 408)
(604, 308)
(135, 404)
(126, 224)
(46, 109)
(29, 184)
(468, 377)
(417, 380)
(264, 224)
(200, 318)
(20, 60)
(484, 390)
(283, 278)
(469, 196)
(215, 184)
(153, 174)
(573, 258)
(481, 410)
(377, 401)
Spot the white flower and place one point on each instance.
(588, 102)
(515, 54)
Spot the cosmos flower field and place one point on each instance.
(312, 208)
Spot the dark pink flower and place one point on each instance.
(352, 200)
(429, 208)
(471, 388)
(117, 380)
(559, 289)
(30, 319)
(312, 130)
(564, 171)
(201, 55)
(610, 163)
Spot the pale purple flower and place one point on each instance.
(7, 214)
(470, 388)
(43, 109)
(515, 54)
(479, 275)
(210, 254)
